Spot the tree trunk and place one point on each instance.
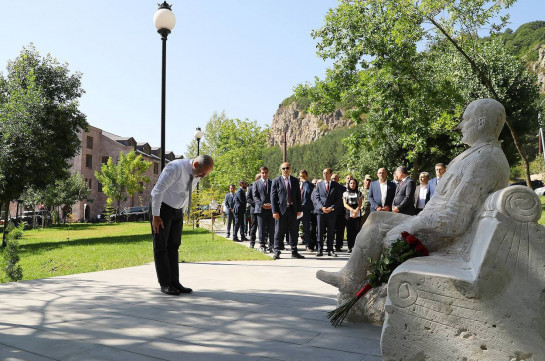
(488, 84)
(5, 224)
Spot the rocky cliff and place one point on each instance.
(302, 127)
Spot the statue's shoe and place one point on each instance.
(338, 280)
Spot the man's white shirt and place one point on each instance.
(173, 188)
(383, 191)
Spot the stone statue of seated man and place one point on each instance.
(470, 178)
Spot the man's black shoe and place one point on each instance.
(252, 245)
(276, 255)
(181, 288)
(236, 240)
(297, 255)
(244, 239)
(168, 290)
(320, 254)
(332, 253)
(262, 249)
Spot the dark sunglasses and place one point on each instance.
(285, 168)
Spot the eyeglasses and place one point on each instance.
(285, 168)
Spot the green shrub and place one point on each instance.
(16, 232)
(10, 261)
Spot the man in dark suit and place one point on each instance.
(422, 192)
(263, 210)
(253, 219)
(340, 222)
(230, 207)
(404, 195)
(381, 192)
(286, 208)
(326, 200)
(308, 206)
(240, 211)
(440, 169)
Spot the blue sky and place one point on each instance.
(239, 56)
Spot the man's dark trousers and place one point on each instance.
(239, 225)
(166, 244)
(265, 223)
(287, 224)
(230, 223)
(305, 220)
(253, 227)
(326, 221)
(340, 225)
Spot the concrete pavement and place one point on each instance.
(252, 310)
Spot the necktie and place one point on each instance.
(327, 187)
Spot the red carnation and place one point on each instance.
(412, 240)
(405, 234)
(421, 250)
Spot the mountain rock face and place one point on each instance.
(539, 68)
(302, 127)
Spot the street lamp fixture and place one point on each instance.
(164, 20)
(198, 136)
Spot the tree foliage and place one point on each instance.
(39, 122)
(124, 179)
(408, 99)
(235, 145)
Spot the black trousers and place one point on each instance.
(353, 226)
(230, 223)
(287, 224)
(326, 221)
(166, 244)
(340, 224)
(265, 223)
(313, 232)
(239, 225)
(253, 227)
(305, 220)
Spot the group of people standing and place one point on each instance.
(324, 208)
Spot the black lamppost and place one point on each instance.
(542, 145)
(164, 20)
(198, 135)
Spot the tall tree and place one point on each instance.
(124, 178)
(39, 122)
(237, 147)
(413, 97)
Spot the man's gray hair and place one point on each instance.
(204, 161)
(403, 169)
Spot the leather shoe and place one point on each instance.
(236, 240)
(168, 290)
(181, 288)
(320, 254)
(244, 239)
(276, 255)
(297, 255)
(332, 253)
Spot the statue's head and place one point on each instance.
(482, 121)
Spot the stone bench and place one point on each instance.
(484, 300)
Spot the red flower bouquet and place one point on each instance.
(407, 246)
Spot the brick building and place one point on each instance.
(97, 146)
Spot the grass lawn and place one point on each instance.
(96, 247)
(542, 219)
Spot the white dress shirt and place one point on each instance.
(422, 197)
(173, 187)
(383, 192)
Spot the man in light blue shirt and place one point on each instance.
(170, 196)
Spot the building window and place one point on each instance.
(89, 142)
(105, 159)
(90, 184)
(89, 161)
(155, 168)
(99, 187)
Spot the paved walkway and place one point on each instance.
(266, 310)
